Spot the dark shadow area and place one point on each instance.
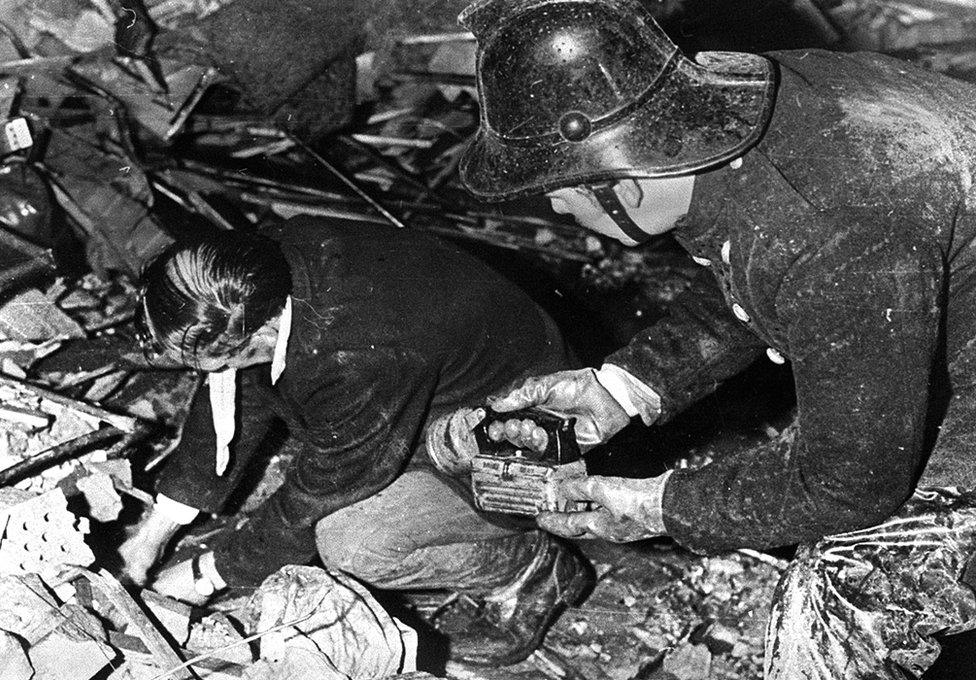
(752, 26)
(744, 412)
(957, 660)
(433, 648)
(586, 322)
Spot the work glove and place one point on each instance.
(569, 394)
(623, 510)
(450, 441)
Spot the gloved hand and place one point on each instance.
(626, 509)
(570, 394)
(451, 443)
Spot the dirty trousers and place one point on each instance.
(865, 604)
(420, 533)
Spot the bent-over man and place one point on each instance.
(356, 337)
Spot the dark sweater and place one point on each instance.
(851, 232)
(391, 329)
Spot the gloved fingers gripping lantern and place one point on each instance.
(584, 91)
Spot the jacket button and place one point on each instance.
(703, 261)
(740, 314)
(727, 252)
(775, 356)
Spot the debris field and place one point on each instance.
(118, 139)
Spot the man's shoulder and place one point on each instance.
(816, 61)
(872, 71)
(310, 229)
(310, 233)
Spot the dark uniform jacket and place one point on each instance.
(845, 243)
(390, 329)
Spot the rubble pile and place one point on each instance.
(938, 34)
(76, 623)
(110, 151)
(657, 612)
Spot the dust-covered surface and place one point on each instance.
(654, 603)
(114, 168)
(655, 608)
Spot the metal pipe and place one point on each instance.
(348, 182)
(56, 454)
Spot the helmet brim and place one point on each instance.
(696, 119)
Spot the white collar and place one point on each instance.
(278, 359)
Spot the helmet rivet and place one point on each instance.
(574, 126)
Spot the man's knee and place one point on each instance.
(366, 553)
(370, 567)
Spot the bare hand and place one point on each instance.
(179, 583)
(569, 394)
(628, 509)
(142, 550)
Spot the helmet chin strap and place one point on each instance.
(611, 204)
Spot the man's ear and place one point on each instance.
(588, 195)
(629, 193)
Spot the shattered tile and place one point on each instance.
(42, 535)
(173, 615)
(29, 610)
(58, 657)
(13, 660)
(686, 662)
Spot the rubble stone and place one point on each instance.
(13, 660)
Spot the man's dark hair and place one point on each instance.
(207, 296)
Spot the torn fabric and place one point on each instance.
(866, 604)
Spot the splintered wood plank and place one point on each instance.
(143, 665)
(124, 423)
(174, 616)
(113, 592)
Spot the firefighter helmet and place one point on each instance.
(585, 91)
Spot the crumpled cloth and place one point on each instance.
(866, 604)
(341, 631)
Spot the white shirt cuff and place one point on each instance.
(657, 501)
(174, 510)
(634, 397)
